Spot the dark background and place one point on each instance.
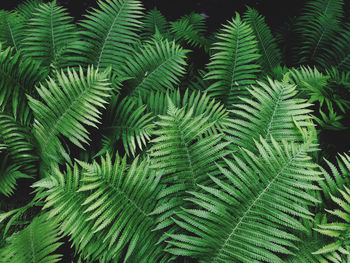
(275, 11)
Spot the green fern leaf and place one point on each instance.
(253, 215)
(34, 244)
(67, 105)
(48, 34)
(271, 55)
(272, 110)
(232, 67)
(108, 33)
(153, 21)
(11, 28)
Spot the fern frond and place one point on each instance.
(27, 9)
(67, 105)
(270, 54)
(190, 29)
(253, 214)
(317, 27)
(232, 68)
(185, 155)
(338, 54)
(19, 142)
(156, 67)
(9, 174)
(11, 28)
(49, 32)
(339, 231)
(153, 21)
(129, 122)
(272, 110)
(36, 243)
(18, 75)
(108, 33)
(108, 213)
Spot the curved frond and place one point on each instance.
(36, 243)
(272, 110)
(109, 32)
(9, 174)
(253, 215)
(105, 208)
(232, 68)
(18, 76)
(28, 8)
(48, 33)
(11, 28)
(185, 155)
(130, 123)
(156, 67)
(317, 27)
(190, 29)
(338, 54)
(270, 54)
(66, 106)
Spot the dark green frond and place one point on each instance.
(317, 27)
(153, 21)
(36, 243)
(109, 32)
(20, 143)
(9, 174)
(190, 29)
(27, 9)
(270, 53)
(48, 34)
(11, 28)
(272, 110)
(252, 215)
(66, 106)
(185, 155)
(156, 67)
(130, 123)
(18, 75)
(338, 54)
(105, 209)
(232, 68)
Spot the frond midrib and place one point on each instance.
(217, 257)
(107, 36)
(268, 129)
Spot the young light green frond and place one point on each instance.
(130, 123)
(338, 54)
(11, 28)
(105, 208)
(156, 67)
(252, 214)
(36, 243)
(109, 32)
(317, 27)
(18, 75)
(48, 34)
(190, 29)
(233, 66)
(27, 9)
(270, 54)
(153, 21)
(185, 155)
(67, 106)
(272, 110)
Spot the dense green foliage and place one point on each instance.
(116, 146)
